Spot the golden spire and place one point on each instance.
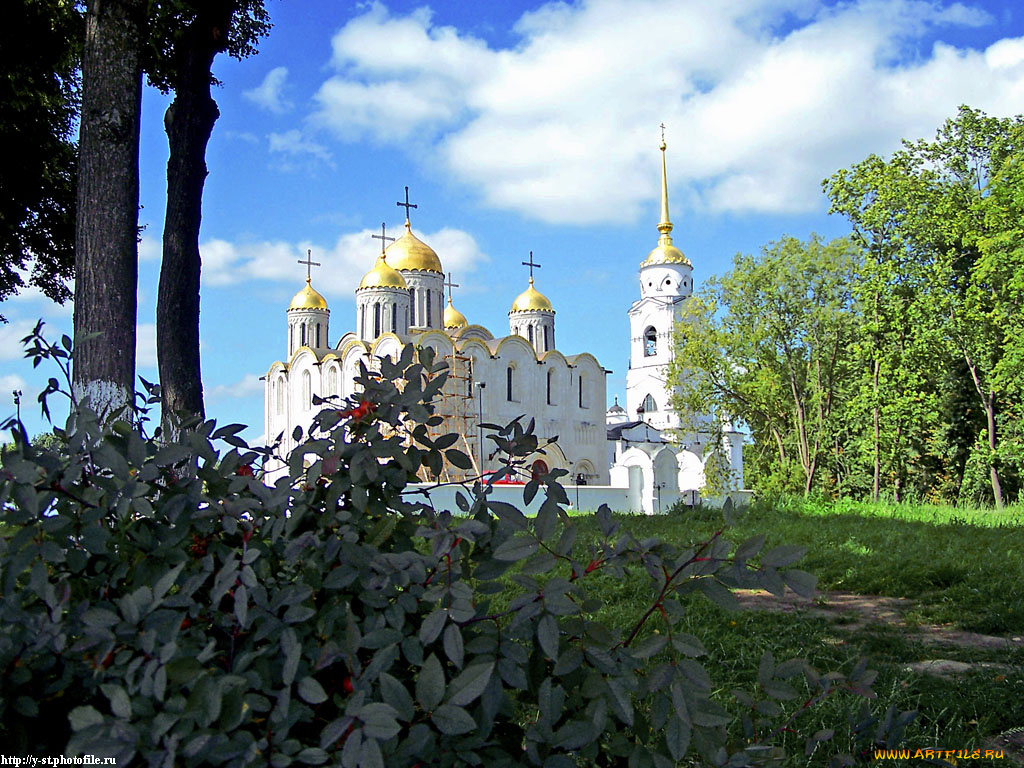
(664, 226)
(664, 252)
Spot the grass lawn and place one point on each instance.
(959, 568)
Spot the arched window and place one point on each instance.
(376, 319)
(529, 331)
(307, 391)
(551, 386)
(362, 321)
(412, 306)
(394, 317)
(508, 384)
(279, 393)
(318, 335)
(650, 342)
(429, 314)
(469, 375)
(649, 405)
(537, 469)
(582, 404)
(332, 381)
(302, 335)
(547, 342)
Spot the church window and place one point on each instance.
(551, 383)
(362, 321)
(332, 381)
(279, 392)
(650, 342)
(547, 342)
(508, 384)
(530, 332)
(376, 319)
(469, 375)
(302, 335)
(318, 335)
(649, 405)
(307, 390)
(582, 400)
(412, 306)
(429, 318)
(394, 317)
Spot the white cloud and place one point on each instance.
(342, 264)
(150, 249)
(762, 98)
(247, 386)
(145, 346)
(270, 93)
(293, 143)
(9, 383)
(11, 334)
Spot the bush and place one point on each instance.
(164, 606)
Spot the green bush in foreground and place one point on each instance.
(163, 606)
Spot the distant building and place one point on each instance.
(401, 300)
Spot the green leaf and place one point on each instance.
(470, 683)
(120, 704)
(453, 646)
(518, 547)
(432, 625)
(292, 653)
(430, 683)
(458, 459)
(649, 646)
(395, 694)
(379, 720)
(452, 720)
(312, 756)
(84, 717)
(547, 635)
(801, 582)
(311, 691)
(783, 555)
(677, 737)
(574, 734)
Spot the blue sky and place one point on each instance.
(523, 127)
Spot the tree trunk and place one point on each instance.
(990, 413)
(877, 435)
(189, 123)
(107, 220)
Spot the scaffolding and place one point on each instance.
(458, 411)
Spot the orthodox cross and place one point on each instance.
(531, 265)
(383, 237)
(662, 126)
(407, 205)
(449, 285)
(309, 264)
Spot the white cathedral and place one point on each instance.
(401, 300)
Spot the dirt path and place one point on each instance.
(860, 611)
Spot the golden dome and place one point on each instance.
(383, 275)
(665, 253)
(453, 319)
(531, 300)
(308, 298)
(409, 252)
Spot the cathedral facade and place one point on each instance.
(492, 379)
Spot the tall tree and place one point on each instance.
(107, 216)
(936, 204)
(40, 47)
(769, 344)
(182, 62)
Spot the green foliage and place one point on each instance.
(162, 605)
(768, 343)
(40, 43)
